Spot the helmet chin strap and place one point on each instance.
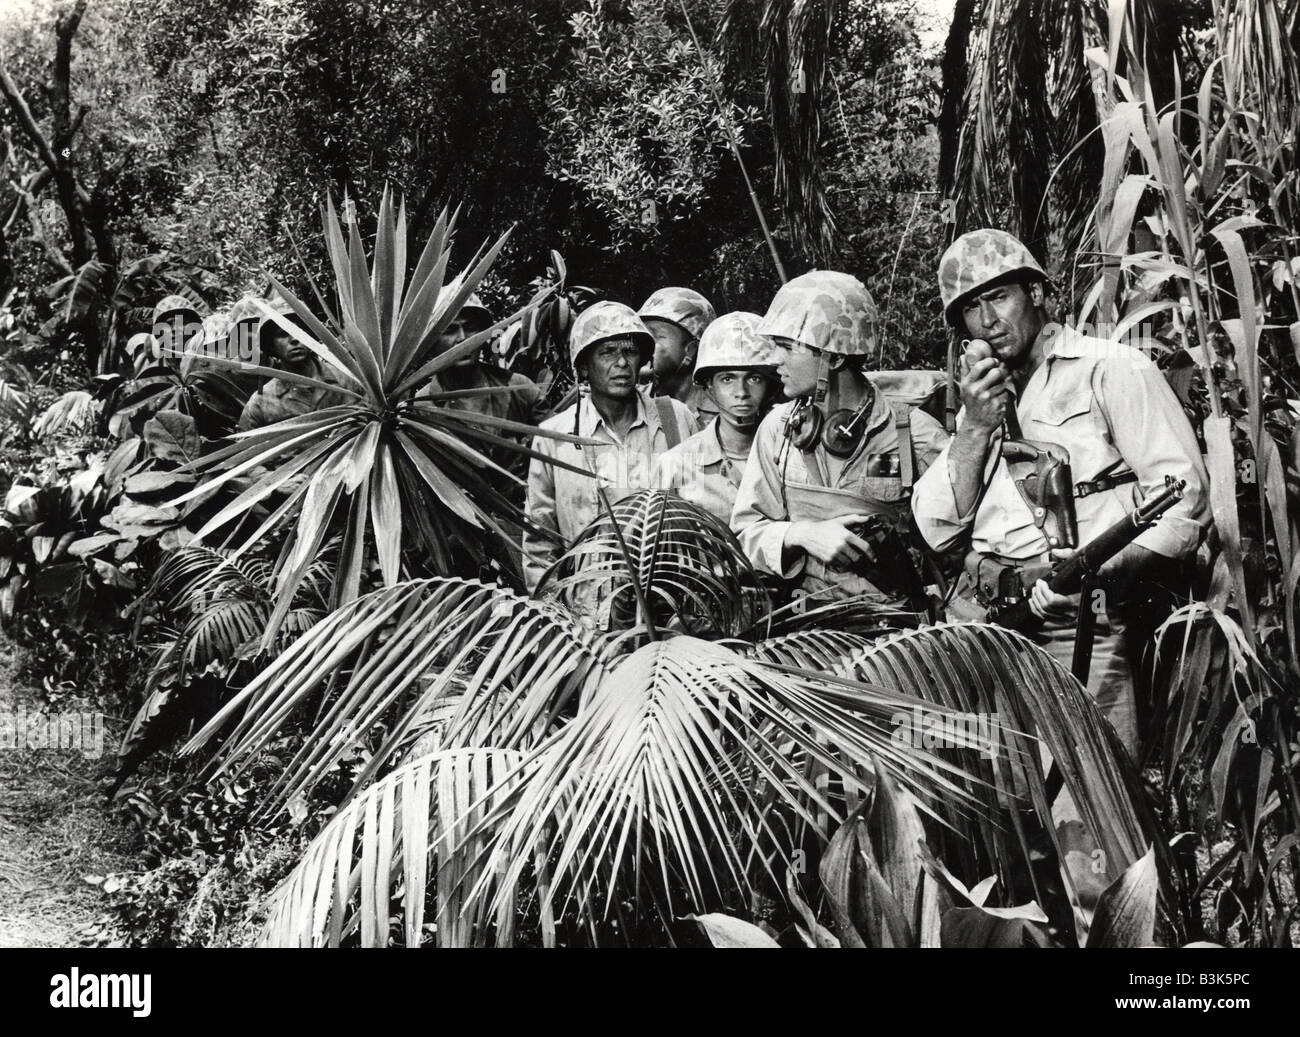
(805, 425)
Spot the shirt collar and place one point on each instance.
(591, 419)
(710, 451)
(1066, 344)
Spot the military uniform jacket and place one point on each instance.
(567, 502)
(700, 472)
(1110, 407)
(782, 485)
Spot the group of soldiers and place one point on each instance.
(778, 425)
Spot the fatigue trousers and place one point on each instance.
(1112, 686)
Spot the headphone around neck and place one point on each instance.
(841, 432)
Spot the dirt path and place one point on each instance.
(53, 826)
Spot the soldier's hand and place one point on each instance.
(1045, 603)
(984, 390)
(831, 542)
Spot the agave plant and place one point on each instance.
(597, 784)
(403, 479)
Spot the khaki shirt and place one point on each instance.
(520, 398)
(700, 472)
(278, 400)
(782, 485)
(567, 502)
(1111, 408)
(702, 406)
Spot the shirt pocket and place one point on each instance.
(1057, 410)
(881, 488)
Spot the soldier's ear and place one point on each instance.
(1038, 293)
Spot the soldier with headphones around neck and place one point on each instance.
(839, 457)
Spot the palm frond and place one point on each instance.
(514, 664)
(661, 789)
(830, 651)
(72, 413)
(987, 670)
(685, 563)
(381, 845)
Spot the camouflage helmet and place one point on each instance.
(604, 320)
(979, 258)
(173, 304)
(825, 310)
(475, 309)
(215, 328)
(471, 309)
(277, 304)
(732, 342)
(245, 309)
(688, 309)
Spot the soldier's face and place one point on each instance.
(454, 334)
(740, 395)
(288, 348)
(671, 344)
(611, 368)
(798, 370)
(1009, 318)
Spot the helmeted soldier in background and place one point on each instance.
(839, 460)
(176, 323)
(608, 343)
(677, 318)
(736, 367)
(506, 395)
(281, 398)
(1102, 407)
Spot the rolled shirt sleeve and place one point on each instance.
(934, 505)
(759, 518)
(1154, 437)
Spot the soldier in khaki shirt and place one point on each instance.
(837, 456)
(279, 398)
(737, 370)
(607, 344)
(1105, 404)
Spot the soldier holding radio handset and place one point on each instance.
(1102, 434)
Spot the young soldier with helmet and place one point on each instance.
(279, 398)
(677, 317)
(1098, 407)
(838, 462)
(737, 370)
(608, 344)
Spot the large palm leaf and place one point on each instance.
(508, 666)
(382, 842)
(986, 669)
(658, 792)
(391, 471)
(683, 562)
